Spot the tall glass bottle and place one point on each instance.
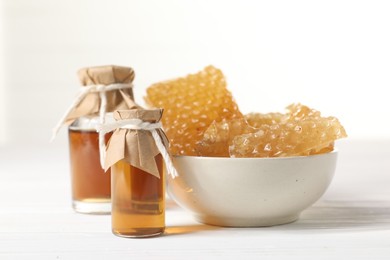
(137, 177)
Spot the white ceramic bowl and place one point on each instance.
(247, 192)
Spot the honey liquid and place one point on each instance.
(90, 184)
(138, 201)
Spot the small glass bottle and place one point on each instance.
(137, 176)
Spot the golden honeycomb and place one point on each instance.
(219, 135)
(301, 132)
(258, 119)
(190, 105)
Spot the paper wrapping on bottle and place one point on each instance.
(136, 147)
(116, 99)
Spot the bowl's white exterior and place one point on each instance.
(250, 191)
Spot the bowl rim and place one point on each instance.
(193, 157)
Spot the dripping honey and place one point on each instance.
(138, 201)
(90, 184)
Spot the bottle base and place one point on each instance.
(139, 232)
(95, 207)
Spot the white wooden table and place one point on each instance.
(351, 221)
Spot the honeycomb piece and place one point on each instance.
(218, 136)
(190, 105)
(302, 132)
(299, 112)
(258, 119)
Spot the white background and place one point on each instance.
(331, 55)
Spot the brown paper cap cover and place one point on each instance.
(136, 147)
(116, 99)
(105, 75)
